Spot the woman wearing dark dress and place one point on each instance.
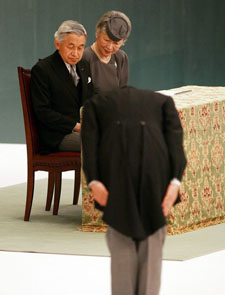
(108, 63)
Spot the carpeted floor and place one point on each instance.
(45, 233)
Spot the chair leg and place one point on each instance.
(51, 183)
(58, 181)
(76, 187)
(30, 193)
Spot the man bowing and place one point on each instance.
(133, 159)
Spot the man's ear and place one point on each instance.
(56, 44)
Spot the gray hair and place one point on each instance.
(102, 22)
(69, 26)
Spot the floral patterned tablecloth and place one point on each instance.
(202, 113)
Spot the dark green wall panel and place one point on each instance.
(173, 43)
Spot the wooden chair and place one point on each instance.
(54, 163)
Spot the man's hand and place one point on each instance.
(169, 198)
(77, 127)
(99, 192)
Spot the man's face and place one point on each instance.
(105, 45)
(71, 48)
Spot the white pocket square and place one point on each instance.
(89, 80)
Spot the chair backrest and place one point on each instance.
(30, 123)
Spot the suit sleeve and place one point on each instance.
(90, 141)
(42, 103)
(173, 133)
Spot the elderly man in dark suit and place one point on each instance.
(60, 83)
(133, 160)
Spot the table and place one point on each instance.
(202, 113)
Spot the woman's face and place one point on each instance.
(106, 47)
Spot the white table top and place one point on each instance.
(193, 95)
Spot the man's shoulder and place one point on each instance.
(84, 66)
(46, 62)
(83, 62)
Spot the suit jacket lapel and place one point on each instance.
(61, 70)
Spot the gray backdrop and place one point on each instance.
(173, 43)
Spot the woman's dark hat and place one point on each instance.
(117, 28)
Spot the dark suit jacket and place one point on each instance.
(56, 100)
(132, 142)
